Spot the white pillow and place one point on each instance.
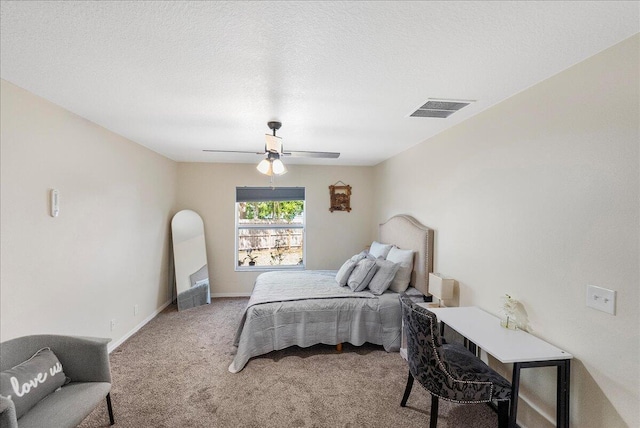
(347, 267)
(405, 258)
(379, 250)
(362, 274)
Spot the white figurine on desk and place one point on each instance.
(509, 306)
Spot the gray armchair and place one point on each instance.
(84, 360)
(448, 371)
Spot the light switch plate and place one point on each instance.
(55, 202)
(601, 299)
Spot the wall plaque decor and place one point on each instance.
(340, 197)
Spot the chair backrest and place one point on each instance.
(423, 343)
(84, 359)
(18, 350)
(428, 362)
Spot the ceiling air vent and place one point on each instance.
(440, 108)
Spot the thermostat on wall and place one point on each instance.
(55, 202)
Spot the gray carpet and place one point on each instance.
(173, 373)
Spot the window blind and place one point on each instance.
(263, 194)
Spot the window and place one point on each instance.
(270, 228)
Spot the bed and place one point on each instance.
(306, 308)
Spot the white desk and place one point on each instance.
(511, 346)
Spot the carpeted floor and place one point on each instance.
(173, 373)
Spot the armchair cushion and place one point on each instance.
(32, 380)
(67, 407)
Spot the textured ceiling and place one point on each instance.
(180, 77)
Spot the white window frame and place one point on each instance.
(302, 226)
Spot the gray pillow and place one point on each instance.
(384, 275)
(369, 256)
(362, 274)
(29, 382)
(347, 267)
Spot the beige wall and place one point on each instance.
(538, 197)
(108, 249)
(209, 190)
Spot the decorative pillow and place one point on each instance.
(362, 274)
(29, 382)
(405, 257)
(347, 267)
(379, 250)
(385, 273)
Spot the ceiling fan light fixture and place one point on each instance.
(265, 167)
(278, 167)
(272, 165)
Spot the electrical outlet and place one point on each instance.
(135, 310)
(113, 324)
(601, 299)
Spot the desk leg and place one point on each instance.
(562, 390)
(515, 387)
(562, 410)
(473, 348)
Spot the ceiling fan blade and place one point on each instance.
(233, 151)
(303, 154)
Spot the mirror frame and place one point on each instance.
(190, 260)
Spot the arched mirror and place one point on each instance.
(190, 259)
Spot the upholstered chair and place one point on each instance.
(448, 371)
(84, 360)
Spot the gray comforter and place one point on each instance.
(305, 308)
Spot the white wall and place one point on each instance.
(209, 189)
(538, 197)
(108, 249)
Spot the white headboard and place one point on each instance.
(407, 233)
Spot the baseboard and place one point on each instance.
(214, 295)
(113, 345)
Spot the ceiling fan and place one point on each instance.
(273, 149)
